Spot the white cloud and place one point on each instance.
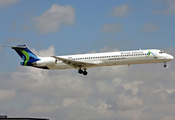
(131, 86)
(169, 10)
(112, 28)
(7, 95)
(168, 118)
(52, 19)
(6, 3)
(150, 27)
(130, 102)
(67, 102)
(45, 52)
(41, 109)
(37, 101)
(106, 88)
(118, 92)
(121, 11)
(103, 107)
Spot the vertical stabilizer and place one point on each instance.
(27, 56)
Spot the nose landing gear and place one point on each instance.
(165, 65)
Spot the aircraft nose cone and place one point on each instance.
(170, 57)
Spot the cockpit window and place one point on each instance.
(161, 51)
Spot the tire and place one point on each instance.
(85, 73)
(165, 65)
(80, 71)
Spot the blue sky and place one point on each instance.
(59, 27)
(86, 30)
(144, 24)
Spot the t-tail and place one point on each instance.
(28, 57)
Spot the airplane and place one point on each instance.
(82, 62)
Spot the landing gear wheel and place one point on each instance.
(85, 73)
(165, 65)
(80, 71)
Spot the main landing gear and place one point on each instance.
(165, 65)
(84, 72)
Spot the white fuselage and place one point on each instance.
(106, 59)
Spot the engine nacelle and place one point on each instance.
(44, 62)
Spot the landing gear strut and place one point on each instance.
(165, 65)
(84, 72)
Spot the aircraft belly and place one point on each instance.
(59, 66)
(111, 62)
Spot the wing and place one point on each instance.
(78, 64)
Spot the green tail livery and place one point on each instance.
(26, 55)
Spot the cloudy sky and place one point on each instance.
(59, 27)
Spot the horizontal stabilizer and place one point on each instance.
(17, 46)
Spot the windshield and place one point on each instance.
(161, 51)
